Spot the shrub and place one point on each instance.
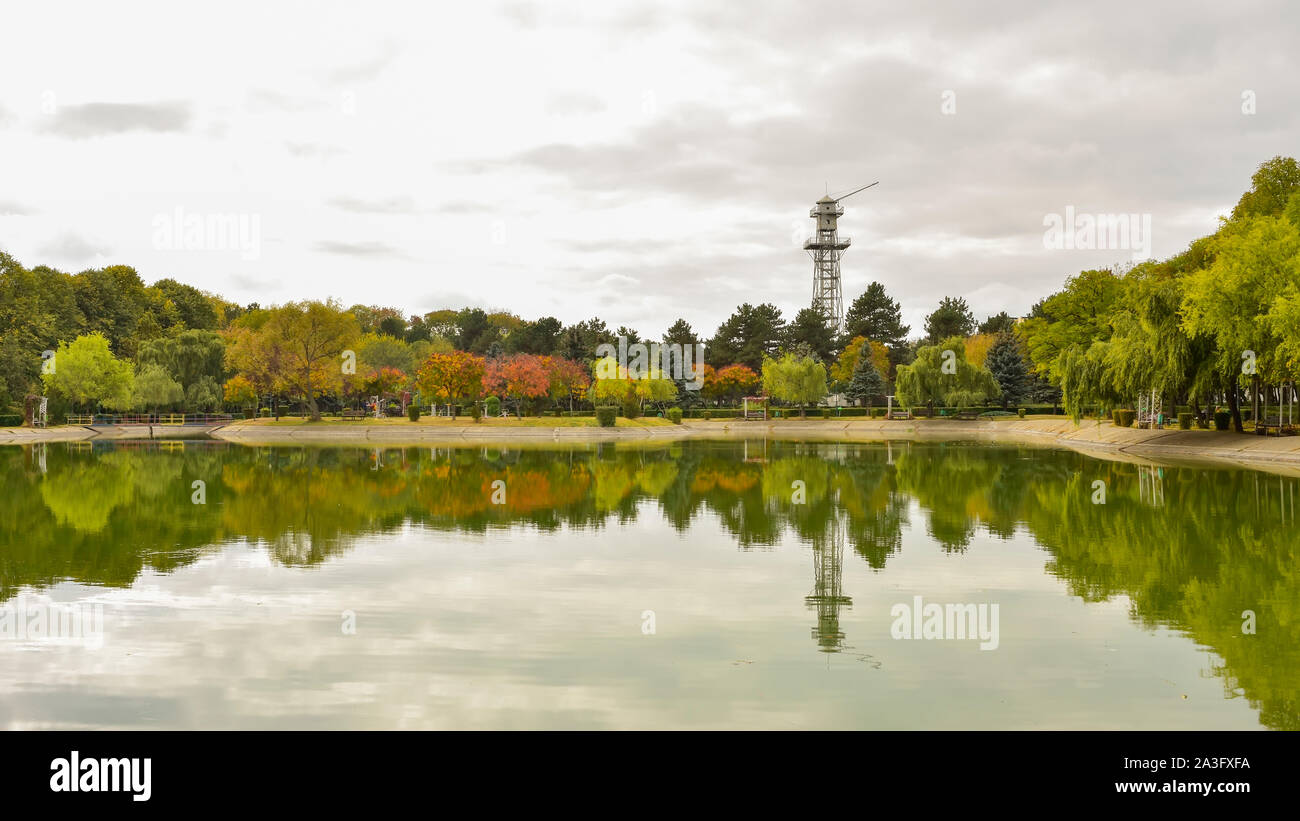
(1201, 423)
(877, 412)
(11, 420)
(1185, 421)
(1222, 419)
(826, 413)
(708, 414)
(413, 413)
(631, 408)
(492, 405)
(675, 415)
(1020, 412)
(605, 416)
(920, 411)
(476, 411)
(265, 411)
(1126, 417)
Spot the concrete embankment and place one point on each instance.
(76, 433)
(1105, 440)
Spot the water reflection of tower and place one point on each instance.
(1151, 486)
(827, 596)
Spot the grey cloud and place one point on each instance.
(524, 14)
(9, 208)
(314, 150)
(390, 205)
(568, 105)
(463, 207)
(266, 100)
(72, 248)
(364, 71)
(1113, 140)
(102, 119)
(359, 249)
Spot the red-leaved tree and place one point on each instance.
(518, 377)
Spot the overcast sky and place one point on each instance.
(638, 162)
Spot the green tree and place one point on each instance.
(681, 333)
(1271, 187)
(194, 308)
(809, 329)
(1009, 369)
(86, 373)
(875, 316)
(204, 394)
(999, 323)
(867, 382)
(377, 351)
(940, 373)
(539, 338)
(1073, 317)
(113, 301)
(190, 357)
(474, 333)
(579, 341)
(953, 317)
(796, 379)
(747, 336)
(1254, 263)
(155, 388)
(310, 338)
(25, 330)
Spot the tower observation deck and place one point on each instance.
(826, 247)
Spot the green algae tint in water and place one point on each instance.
(727, 584)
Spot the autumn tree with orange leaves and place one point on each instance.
(568, 379)
(452, 377)
(518, 377)
(731, 383)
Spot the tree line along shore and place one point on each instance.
(1211, 334)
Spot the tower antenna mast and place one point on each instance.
(826, 246)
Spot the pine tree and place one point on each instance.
(1009, 369)
(866, 382)
(874, 315)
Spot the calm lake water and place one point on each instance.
(699, 585)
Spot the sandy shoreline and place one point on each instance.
(1103, 440)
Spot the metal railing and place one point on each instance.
(839, 242)
(149, 418)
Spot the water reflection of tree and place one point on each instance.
(1222, 541)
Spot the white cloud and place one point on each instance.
(522, 152)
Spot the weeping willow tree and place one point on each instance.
(1149, 349)
(941, 373)
(1084, 378)
(1256, 262)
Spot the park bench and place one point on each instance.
(968, 416)
(900, 414)
(1275, 425)
(352, 415)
